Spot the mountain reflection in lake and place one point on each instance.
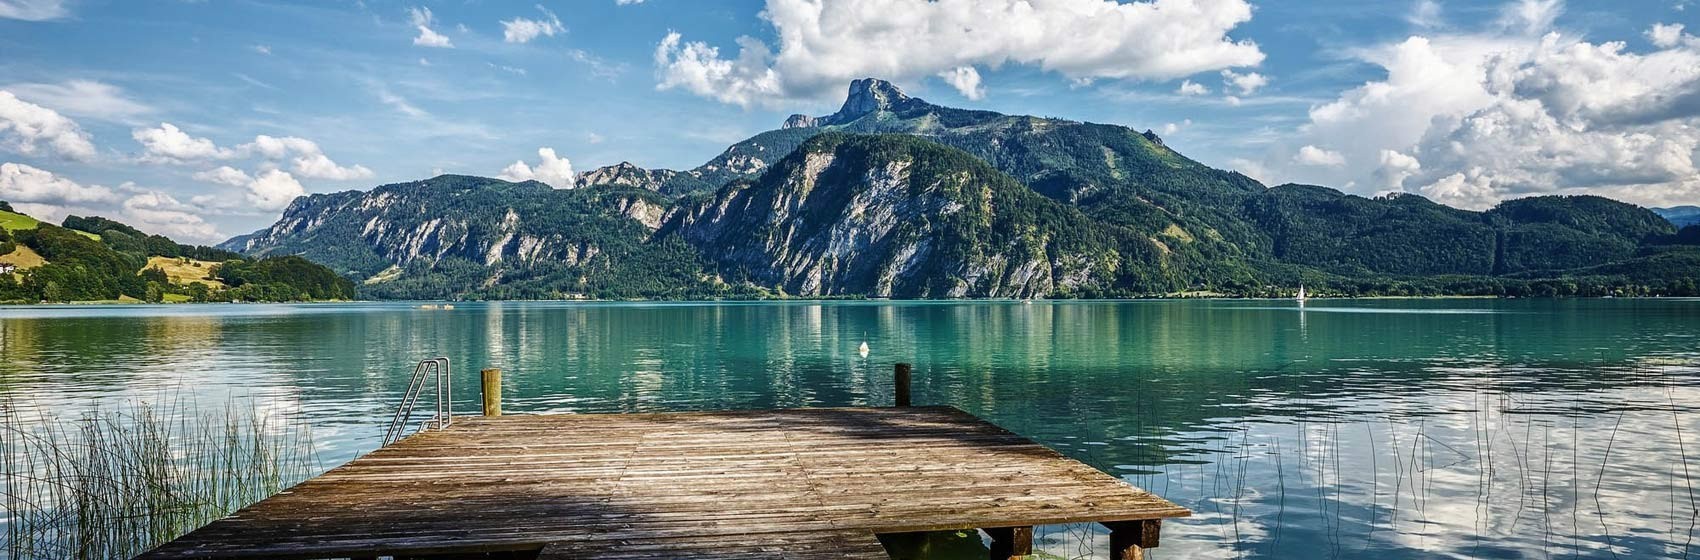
(1392, 429)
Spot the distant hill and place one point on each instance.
(892, 196)
(1680, 215)
(97, 259)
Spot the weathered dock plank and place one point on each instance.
(802, 483)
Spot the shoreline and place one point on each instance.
(438, 304)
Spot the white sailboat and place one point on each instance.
(1301, 297)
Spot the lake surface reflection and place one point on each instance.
(1384, 428)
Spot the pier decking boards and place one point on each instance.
(800, 483)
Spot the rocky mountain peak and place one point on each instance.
(624, 174)
(868, 95)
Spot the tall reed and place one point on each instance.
(115, 483)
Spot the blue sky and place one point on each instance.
(201, 119)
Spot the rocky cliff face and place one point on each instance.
(893, 216)
(483, 231)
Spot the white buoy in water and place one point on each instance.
(863, 349)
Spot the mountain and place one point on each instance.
(98, 259)
(1680, 216)
(893, 196)
(453, 236)
(896, 216)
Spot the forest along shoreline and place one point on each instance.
(91, 260)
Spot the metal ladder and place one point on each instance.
(445, 392)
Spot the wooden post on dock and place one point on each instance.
(1129, 539)
(492, 382)
(902, 378)
(1009, 543)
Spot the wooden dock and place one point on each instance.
(802, 483)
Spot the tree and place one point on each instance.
(155, 275)
(52, 292)
(197, 292)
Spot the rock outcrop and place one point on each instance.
(799, 121)
(626, 174)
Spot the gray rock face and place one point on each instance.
(868, 95)
(799, 121)
(625, 174)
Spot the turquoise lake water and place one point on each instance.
(1374, 428)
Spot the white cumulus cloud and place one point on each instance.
(551, 170)
(1518, 109)
(168, 144)
(159, 213)
(1246, 84)
(825, 43)
(1394, 168)
(966, 80)
(1171, 128)
(319, 166)
(422, 19)
(224, 175)
(309, 160)
(1572, 116)
(1665, 35)
(273, 190)
(1191, 88)
(522, 30)
(22, 183)
(30, 129)
(1312, 155)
